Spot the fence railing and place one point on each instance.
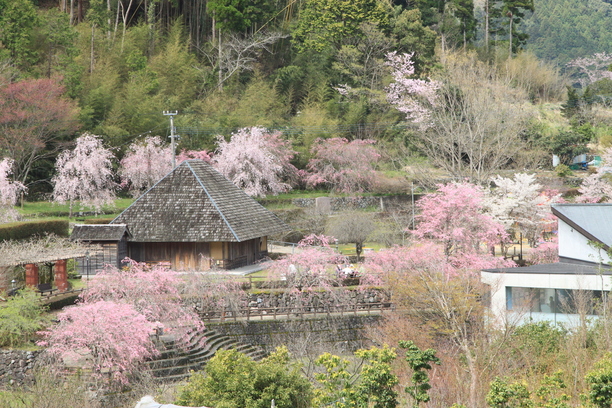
(275, 245)
(273, 313)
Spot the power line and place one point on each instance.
(297, 130)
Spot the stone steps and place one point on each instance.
(176, 361)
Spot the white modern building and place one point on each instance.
(562, 292)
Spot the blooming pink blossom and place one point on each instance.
(454, 216)
(194, 155)
(393, 263)
(596, 188)
(547, 252)
(144, 164)
(115, 335)
(85, 174)
(153, 291)
(256, 160)
(341, 165)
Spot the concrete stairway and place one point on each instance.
(175, 361)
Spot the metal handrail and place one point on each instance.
(261, 313)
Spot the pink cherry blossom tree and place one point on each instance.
(454, 216)
(596, 187)
(547, 252)
(117, 314)
(194, 155)
(84, 174)
(144, 164)
(256, 160)
(155, 291)
(115, 335)
(394, 264)
(342, 166)
(310, 266)
(9, 192)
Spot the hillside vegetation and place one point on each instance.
(310, 69)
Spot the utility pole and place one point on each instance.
(172, 114)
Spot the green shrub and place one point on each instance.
(98, 220)
(24, 230)
(232, 379)
(563, 171)
(20, 318)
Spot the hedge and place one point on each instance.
(27, 229)
(98, 220)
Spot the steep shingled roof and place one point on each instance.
(196, 203)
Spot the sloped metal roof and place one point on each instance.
(559, 268)
(594, 221)
(196, 203)
(98, 232)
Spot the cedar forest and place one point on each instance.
(466, 99)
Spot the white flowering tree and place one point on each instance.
(520, 205)
(84, 174)
(144, 164)
(469, 119)
(9, 191)
(256, 160)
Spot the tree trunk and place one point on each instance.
(108, 21)
(91, 55)
(220, 85)
(80, 11)
(71, 12)
(486, 22)
(510, 34)
(151, 22)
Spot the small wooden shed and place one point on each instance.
(109, 246)
(195, 219)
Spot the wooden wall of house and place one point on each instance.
(102, 253)
(183, 256)
(122, 251)
(250, 249)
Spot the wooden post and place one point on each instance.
(61, 275)
(31, 275)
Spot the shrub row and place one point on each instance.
(98, 220)
(27, 229)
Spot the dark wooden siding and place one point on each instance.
(182, 256)
(249, 250)
(107, 254)
(122, 251)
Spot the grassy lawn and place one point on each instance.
(349, 249)
(43, 209)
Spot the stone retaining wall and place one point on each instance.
(317, 298)
(16, 366)
(337, 334)
(382, 203)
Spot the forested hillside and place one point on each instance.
(562, 30)
(310, 69)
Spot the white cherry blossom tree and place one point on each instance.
(85, 174)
